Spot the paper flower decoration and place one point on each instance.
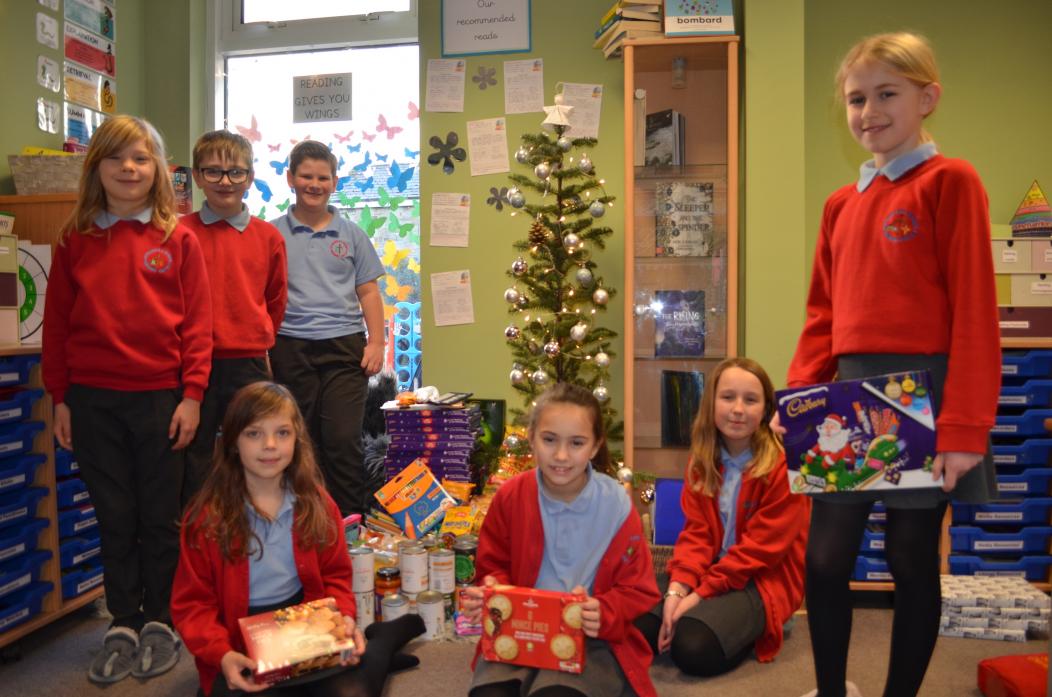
(485, 78)
(557, 115)
(446, 152)
(498, 197)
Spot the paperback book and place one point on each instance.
(683, 224)
(680, 396)
(664, 138)
(679, 323)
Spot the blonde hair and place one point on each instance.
(115, 134)
(906, 54)
(703, 472)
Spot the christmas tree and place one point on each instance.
(557, 294)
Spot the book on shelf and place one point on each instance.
(618, 28)
(683, 225)
(701, 18)
(651, 11)
(665, 139)
(614, 46)
(680, 396)
(679, 323)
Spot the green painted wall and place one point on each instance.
(474, 357)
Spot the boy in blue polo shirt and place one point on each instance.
(332, 338)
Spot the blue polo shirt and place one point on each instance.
(733, 468)
(896, 168)
(239, 221)
(105, 220)
(325, 269)
(272, 576)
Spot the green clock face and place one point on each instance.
(32, 282)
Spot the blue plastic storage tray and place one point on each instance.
(966, 538)
(20, 505)
(72, 492)
(1029, 482)
(16, 439)
(81, 580)
(76, 521)
(668, 513)
(23, 605)
(1032, 568)
(16, 540)
(873, 541)
(878, 514)
(77, 550)
(1034, 451)
(19, 406)
(1036, 363)
(1032, 393)
(871, 569)
(1032, 511)
(18, 472)
(14, 370)
(66, 465)
(1029, 423)
(21, 571)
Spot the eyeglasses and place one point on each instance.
(214, 175)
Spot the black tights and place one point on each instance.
(512, 688)
(911, 546)
(695, 649)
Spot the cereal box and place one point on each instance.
(534, 628)
(415, 499)
(873, 433)
(296, 640)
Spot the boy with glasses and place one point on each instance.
(247, 268)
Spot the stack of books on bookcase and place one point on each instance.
(627, 19)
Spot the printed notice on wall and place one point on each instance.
(94, 15)
(47, 30)
(445, 85)
(488, 145)
(471, 27)
(523, 86)
(450, 215)
(321, 98)
(90, 50)
(90, 89)
(451, 298)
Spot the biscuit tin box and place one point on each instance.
(295, 640)
(534, 628)
(873, 433)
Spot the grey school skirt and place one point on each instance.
(978, 486)
(737, 618)
(602, 675)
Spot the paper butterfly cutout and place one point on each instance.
(343, 139)
(251, 132)
(382, 126)
(387, 200)
(381, 158)
(395, 225)
(446, 151)
(279, 166)
(399, 177)
(283, 206)
(412, 153)
(264, 189)
(369, 136)
(364, 165)
(349, 201)
(368, 223)
(364, 184)
(275, 147)
(354, 148)
(414, 111)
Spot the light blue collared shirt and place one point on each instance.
(577, 534)
(729, 491)
(325, 269)
(239, 221)
(272, 576)
(897, 167)
(105, 220)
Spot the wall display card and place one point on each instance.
(50, 4)
(523, 86)
(708, 17)
(47, 74)
(94, 15)
(679, 323)
(47, 115)
(450, 214)
(683, 219)
(587, 103)
(451, 298)
(871, 433)
(47, 30)
(80, 124)
(471, 27)
(321, 98)
(90, 50)
(90, 89)
(445, 85)
(34, 263)
(488, 145)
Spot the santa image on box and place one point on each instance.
(832, 446)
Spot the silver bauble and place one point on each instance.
(522, 154)
(579, 331)
(539, 377)
(601, 393)
(600, 296)
(564, 143)
(534, 348)
(512, 442)
(584, 277)
(516, 199)
(522, 302)
(511, 296)
(602, 359)
(571, 241)
(551, 349)
(519, 266)
(624, 475)
(511, 333)
(597, 209)
(585, 164)
(542, 170)
(646, 494)
(517, 376)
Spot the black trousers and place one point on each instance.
(327, 378)
(134, 477)
(228, 376)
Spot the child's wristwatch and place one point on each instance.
(673, 591)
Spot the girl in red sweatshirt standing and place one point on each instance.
(737, 571)
(903, 279)
(563, 527)
(127, 346)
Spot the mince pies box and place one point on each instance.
(534, 628)
(873, 433)
(295, 640)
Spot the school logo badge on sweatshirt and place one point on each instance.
(340, 249)
(157, 260)
(901, 226)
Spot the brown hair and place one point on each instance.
(311, 150)
(703, 471)
(567, 393)
(115, 134)
(220, 505)
(233, 147)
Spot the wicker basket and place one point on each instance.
(46, 174)
(661, 554)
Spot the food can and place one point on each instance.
(411, 600)
(464, 550)
(393, 606)
(413, 562)
(442, 575)
(388, 580)
(431, 608)
(449, 602)
(459, 594)
(366, 613)
(363, 573)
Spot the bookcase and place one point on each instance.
(681, 241)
